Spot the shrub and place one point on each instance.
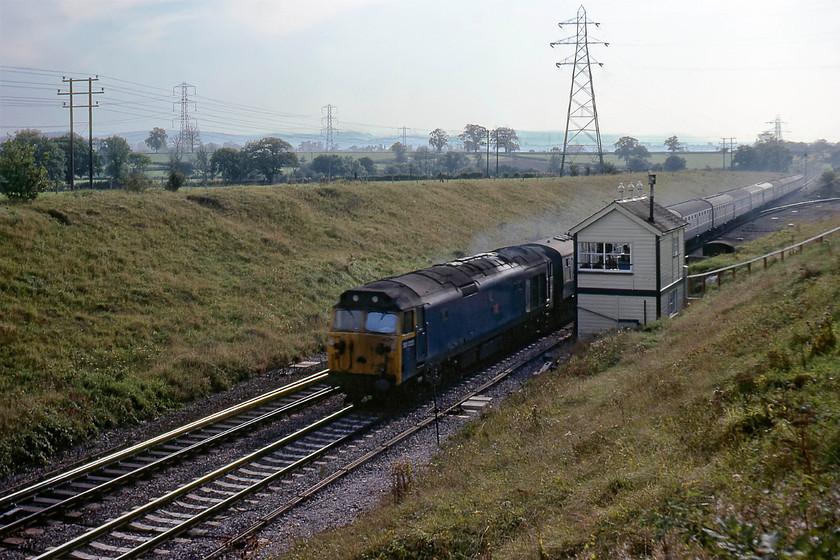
(175, 181)
(137, 183)
(21, 176)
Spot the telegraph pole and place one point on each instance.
(497, 152)
(90, 93)
(724, 149)
(582, 116)
(488, 152)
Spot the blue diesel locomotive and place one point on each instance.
(398, 330)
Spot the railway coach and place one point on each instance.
(707, 216)
(399, 331)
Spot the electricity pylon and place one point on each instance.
(329, 129)
(189, 126)
(582, 140)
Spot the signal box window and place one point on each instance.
(615, 256)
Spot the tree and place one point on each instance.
(368, 165)
(555, 161)
(21, 176)
(438, 139)
(769, 155)
(175, 181)
(139, 162)
(635, 155)
(116, 152)
(473, 137)
(202, 163)
(48, 152)
(674, 163)
(399, 150)
(452, 161)
(625, 146)
(673, 144)
(424, 159)
(331, 165)
(157, 139)
(828, 178)
(81, 157)
(269, 156)
(230, 163)
(190, 137)
(506, 139)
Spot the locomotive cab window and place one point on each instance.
(348, 319)
(383, 323)
(535, 293)
(408, 322)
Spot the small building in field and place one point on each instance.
(629, 264)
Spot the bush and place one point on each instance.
(137, 183)
(20, 175)
(674, 163)
(175, 181)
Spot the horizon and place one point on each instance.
(381, 67)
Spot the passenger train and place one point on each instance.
(707, 216)
(396, 331)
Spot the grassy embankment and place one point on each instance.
(118, 306)
(712, 435)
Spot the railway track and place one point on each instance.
(187, 518)
(58, 494)
(145, 528)
(464, 406)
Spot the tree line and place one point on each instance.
(31, 162)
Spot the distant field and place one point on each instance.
(523, 161)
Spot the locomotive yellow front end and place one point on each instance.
(364, 350)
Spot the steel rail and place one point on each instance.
(11, 499)
(151, 467)
(347, 469)
(141, 511)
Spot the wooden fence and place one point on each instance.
(704, 278)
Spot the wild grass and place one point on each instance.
(118, 306)
(712, 435)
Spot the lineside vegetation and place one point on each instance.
(712, 435)
(118, 306)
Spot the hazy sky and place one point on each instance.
(703, 69)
